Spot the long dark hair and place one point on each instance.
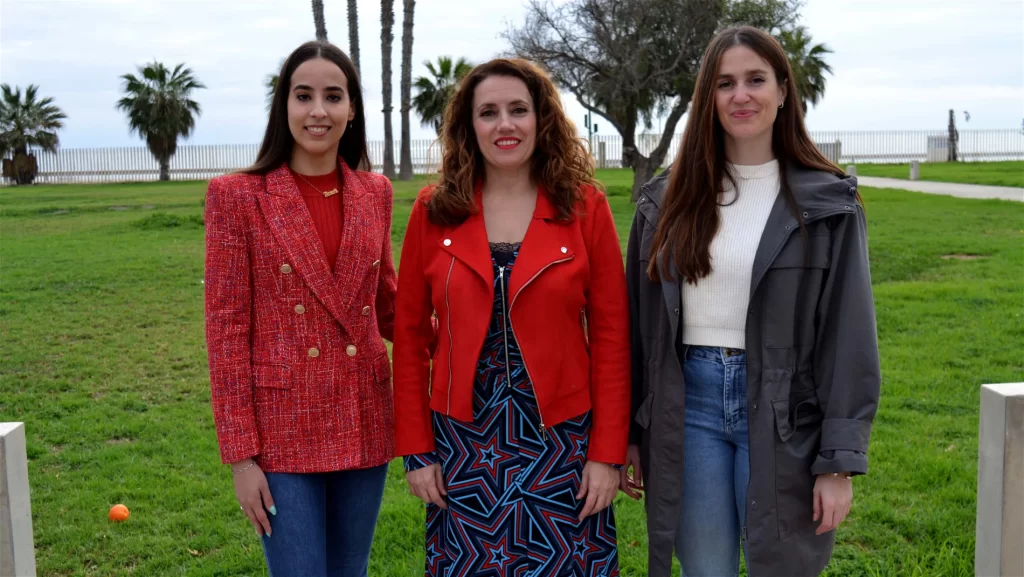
(689, 217)
(560, 163)
(278, 141)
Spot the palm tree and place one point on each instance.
(353, 34)
(270, 83)
(405, 164)
(318, 20)
(433, 93)
(808, 63)
(24, 124)
(387, 37)
(160, 109)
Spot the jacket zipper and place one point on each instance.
(504, 328)
(536, 392)
(451, 342)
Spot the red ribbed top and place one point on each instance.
(324, 210)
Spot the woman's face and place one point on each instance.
(747, 95)
(505, 122)
(319, 107)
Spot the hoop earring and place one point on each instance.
(781, 105)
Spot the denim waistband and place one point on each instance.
(723, 355)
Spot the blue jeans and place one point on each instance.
(716, 462)
(324, 523)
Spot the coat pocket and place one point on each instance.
(643, 413)
(271, 376)
(798, 425)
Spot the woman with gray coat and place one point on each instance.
(755, 357)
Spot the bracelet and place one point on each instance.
(846, 476)
(243, 469)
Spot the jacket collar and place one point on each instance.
(816, 192)
(468, 241)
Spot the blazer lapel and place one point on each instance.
(361, 237)
(289, 221)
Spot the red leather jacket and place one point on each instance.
(568, 310)
(299, 374)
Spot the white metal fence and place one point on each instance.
(200, 162)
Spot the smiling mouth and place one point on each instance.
(317, 130)
(743, 114)
(507, 143)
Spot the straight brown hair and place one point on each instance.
(690, 215)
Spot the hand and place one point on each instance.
(427, 483)
(599, 485)
(832, 499)
(633, 484)
(253, 495)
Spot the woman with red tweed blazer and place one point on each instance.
(300, 289)
(514, 423)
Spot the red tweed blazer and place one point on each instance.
(299, 373)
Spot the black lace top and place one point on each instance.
(503, 252)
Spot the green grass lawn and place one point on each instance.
(991, 173)
(101, 316)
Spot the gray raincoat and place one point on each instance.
(813, 374)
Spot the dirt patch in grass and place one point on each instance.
(958, 256)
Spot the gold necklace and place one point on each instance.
(326, 193)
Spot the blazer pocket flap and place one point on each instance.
(382, 369)
(272, 376)
(643, 414)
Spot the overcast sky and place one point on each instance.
(898, 64)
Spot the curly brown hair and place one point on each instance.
(561, 163)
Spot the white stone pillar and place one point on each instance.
(999, 547)
(851, 169)
(17, 555)
(601, 155)
(915, 170)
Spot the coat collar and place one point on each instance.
(818, 194)
(815, 191)
(292, 226)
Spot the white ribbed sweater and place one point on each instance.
(715, 310)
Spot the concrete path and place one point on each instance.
(946, 188)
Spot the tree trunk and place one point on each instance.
(353, 35)
(165, 168)
(951, 142)
(643, 171)
(387, 37)
(318, 20)
(405, 168)
(23, 168)
(645, 166)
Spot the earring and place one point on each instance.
(781, 105)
